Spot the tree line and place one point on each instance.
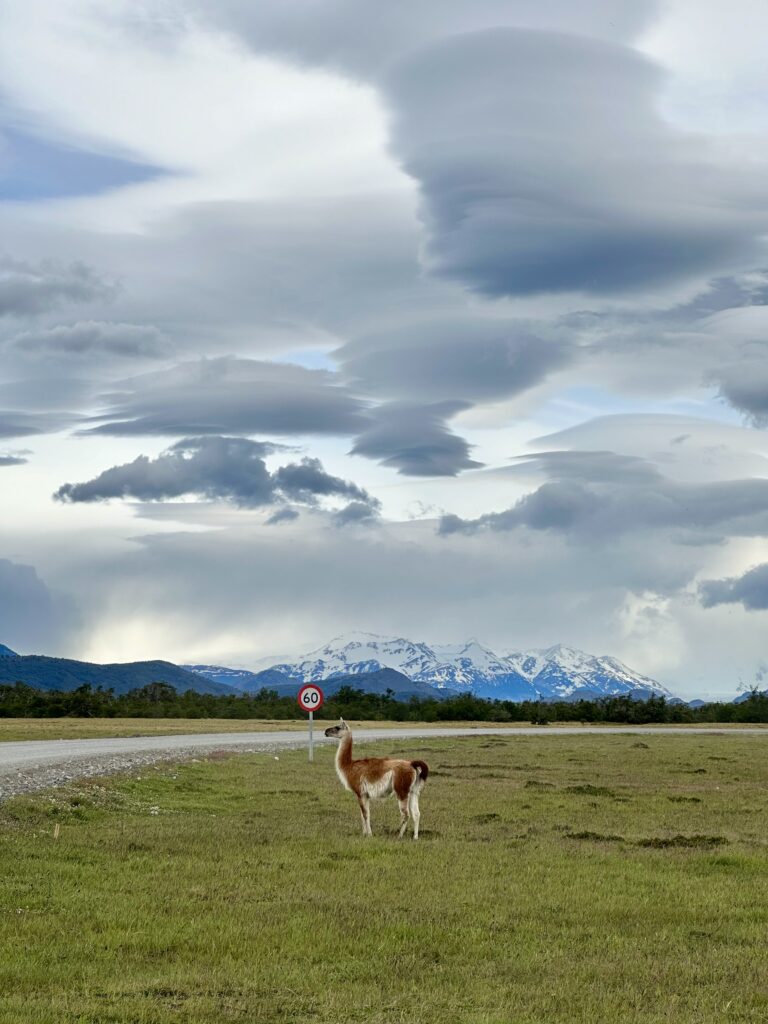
(159, 700)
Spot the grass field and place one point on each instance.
(577, 879)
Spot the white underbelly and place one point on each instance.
(380, 788)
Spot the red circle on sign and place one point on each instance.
(310, 697)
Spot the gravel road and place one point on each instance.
(39, 764)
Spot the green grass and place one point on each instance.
(559, 879)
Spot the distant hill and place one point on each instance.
(64, 674)
(745, 696)
(240, 678)
(388, 679)
(6, 652)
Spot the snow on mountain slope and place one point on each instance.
(239, 678)
(563, 671)
(467, 666)
(554, 673)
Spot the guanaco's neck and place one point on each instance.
(344, 752)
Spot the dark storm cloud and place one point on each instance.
(22, 424)
(745, 386)
(218, 469)
(544, 167)
(93, 338)
(725, 293)
(282, 515)
(460, 358)
(33, 619)
(593, 497)
(361, 36)
(306, 480)
(214, 467)
(228, 395)
(356, 513)
(414, 439)
(28, 288)
(750, 590)
(16, 425)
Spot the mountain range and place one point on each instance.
(372, 663)
(554, 673)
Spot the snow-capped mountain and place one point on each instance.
(555, 673)
(561, 672)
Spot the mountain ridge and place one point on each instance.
(558, 672)
(64, 674)
(418, 669)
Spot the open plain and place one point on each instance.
(558, 878)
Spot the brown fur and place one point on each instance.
(373, 769)
(367, 778)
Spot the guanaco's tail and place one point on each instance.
(422, 768)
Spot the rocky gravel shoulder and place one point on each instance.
(30, 778)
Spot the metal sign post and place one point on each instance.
(310, 698)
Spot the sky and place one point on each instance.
(429, 318)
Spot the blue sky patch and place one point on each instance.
(32, 168)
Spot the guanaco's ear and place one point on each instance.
(342, 721)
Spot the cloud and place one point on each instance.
(596, 495)
(33, 618)
(22, 424)
(307, 480)
(356, 513)
(544, 167)
(217, 469)
(90, 338)
(745, 386)
(282, 515)
(12, 460)
(685, 448)
(360, 37)
(532, 589)
(229, 395)
(27, 288)
(458, 358)
(750, 590)
(415, 440)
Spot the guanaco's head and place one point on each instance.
(337, 731)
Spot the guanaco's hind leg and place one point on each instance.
(365, 811)
(413, 807)
(404, 816)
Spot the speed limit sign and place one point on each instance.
(310, 698)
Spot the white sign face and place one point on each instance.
(310, 698)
